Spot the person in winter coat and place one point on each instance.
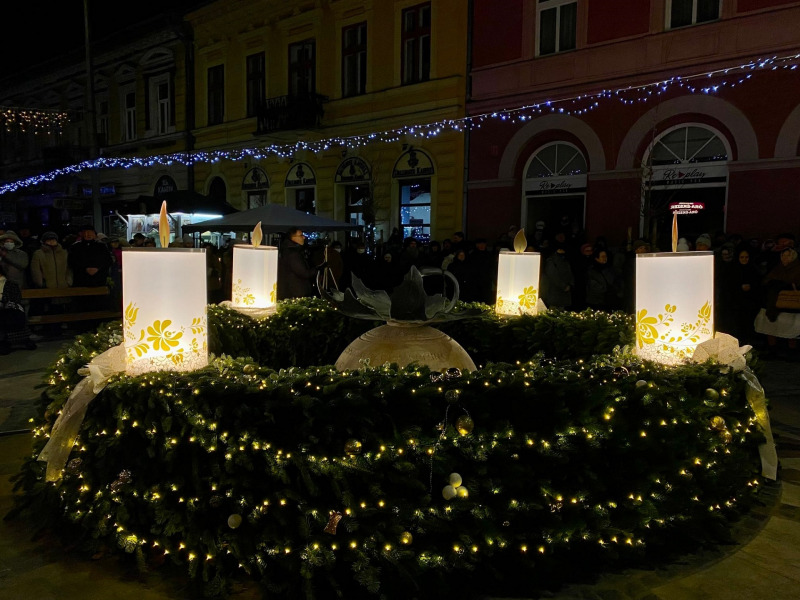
(482, 266)
(558, 279)
(295, 276)
(89, 259)
(783, 276)
(13, 323)
(13, 259)
(50, 269)
(50, 264)
(601, 284)
(746, 296)
(726, 285)
(461, 271)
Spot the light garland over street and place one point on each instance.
(708, 82)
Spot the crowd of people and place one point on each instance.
(576, 272)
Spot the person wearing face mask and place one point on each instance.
(361, 265)
(13, 260)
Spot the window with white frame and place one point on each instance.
(160, 104)
(416, 43)
(255, 65)
(354, 60)
(302, 68)
(681, 13)
(559, 159)
(128, 101)
(102, 119)
(557, 26)
(688, 145)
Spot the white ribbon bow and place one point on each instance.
(725, 349)
(65, 430)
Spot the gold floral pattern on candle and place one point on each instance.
(528, 297)
(659, 331)
(158, 337)
(243, 295)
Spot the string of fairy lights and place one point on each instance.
(207, 434)
(707, 82)
(38, 121)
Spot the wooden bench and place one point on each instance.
(44, 293)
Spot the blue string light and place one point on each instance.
(580, 104)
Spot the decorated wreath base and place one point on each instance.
(271, 465)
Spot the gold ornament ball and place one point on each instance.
(249, 369)
(462, 492)
(711, 394)
(448, 492)
(455, 480)
(234, 521)
(352, 446)
(406, 538)
(726, 436)
(452, 396)
(718, 423)
(465, 425)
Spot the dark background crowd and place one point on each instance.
(576, 272)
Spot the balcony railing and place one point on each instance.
(283, 113)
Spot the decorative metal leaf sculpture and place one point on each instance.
(407, 303)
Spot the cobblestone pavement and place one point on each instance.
(762, 563)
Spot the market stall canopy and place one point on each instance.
(185, 201)
(274, 218)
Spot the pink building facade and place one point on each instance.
(607, 113)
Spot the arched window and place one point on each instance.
(687, 163)
(556, 159)
(688, 145)
(555, 190)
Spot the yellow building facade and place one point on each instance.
(270, 74)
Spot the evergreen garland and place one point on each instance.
(318, 483)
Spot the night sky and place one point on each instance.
(36, 31)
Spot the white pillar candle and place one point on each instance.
(517, 283)
(164, 295)
(255, 277)
(674, 304)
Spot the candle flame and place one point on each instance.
(520, 241)
(163, 226)
(675, 232)
(256, 236)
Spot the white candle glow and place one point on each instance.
(164, 295)
(674, 304)
(518, 279)
(255, 277)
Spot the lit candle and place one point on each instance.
(164, 295)
(674, 303)
(518, 279)
(255, 275)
